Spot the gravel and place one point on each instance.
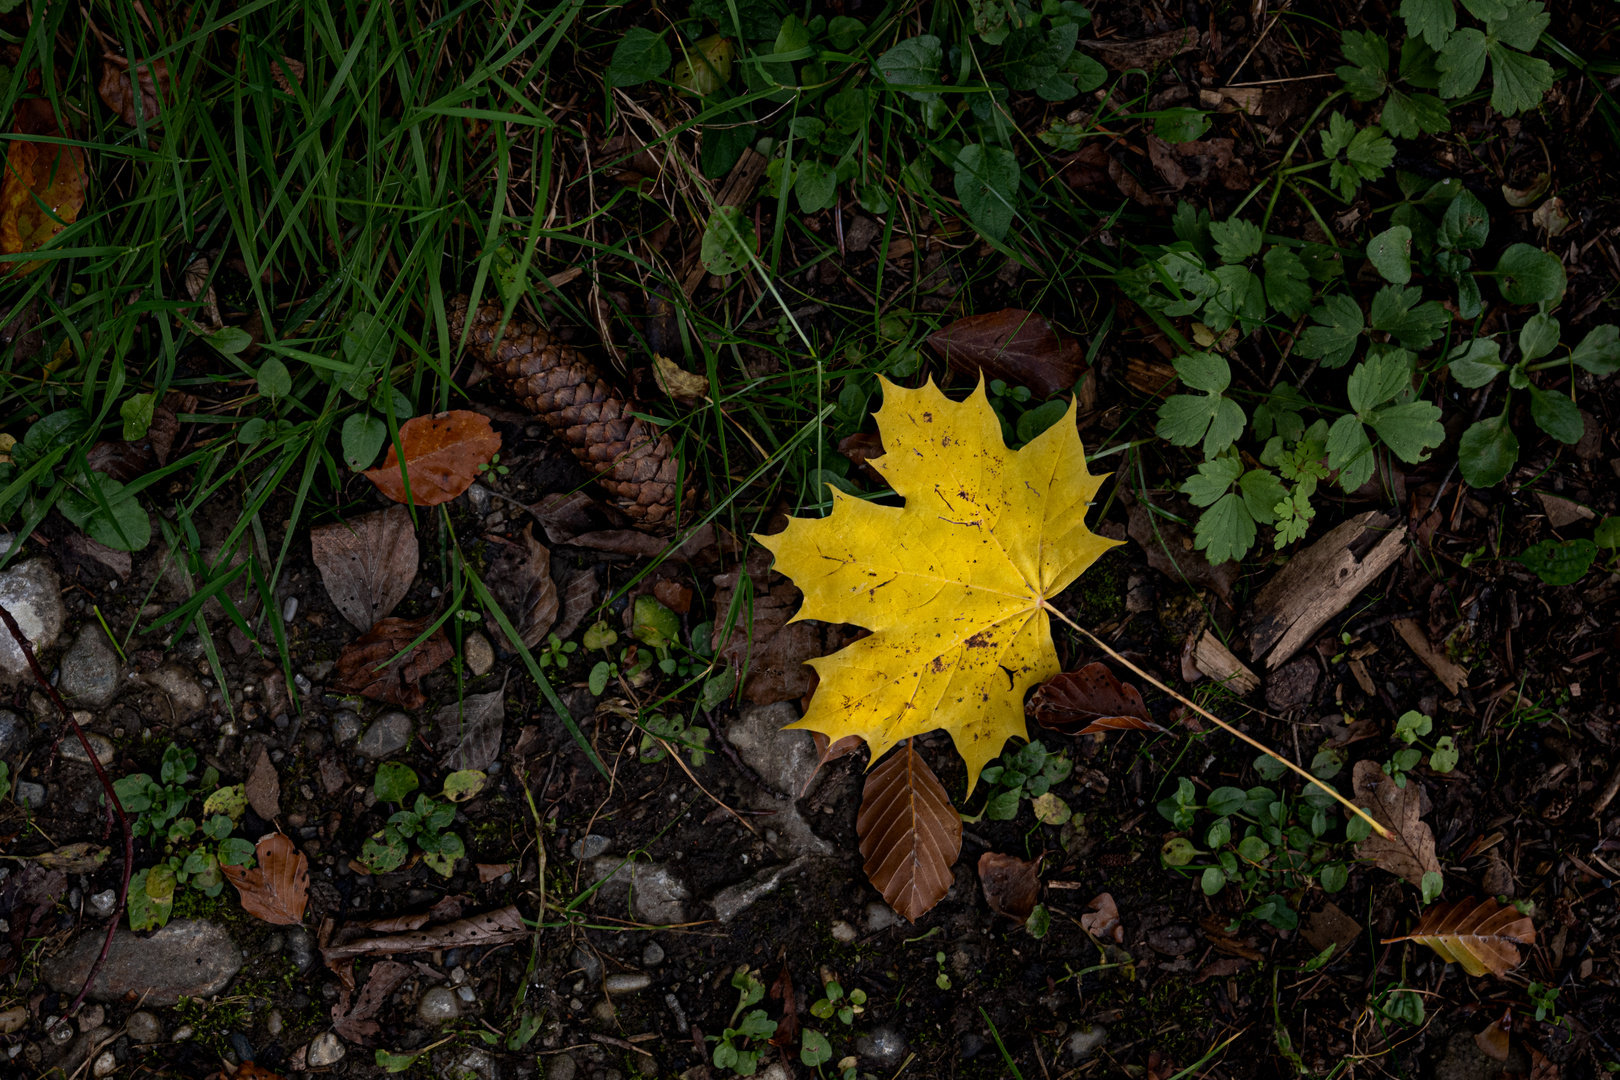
(388, 734)
(90, 669)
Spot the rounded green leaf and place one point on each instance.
(728, 241)
(1390, 252)
(363, 437)
(394, 781)
(1528, 275)
(640, 55)
(814, 1049)
(654, 624)
(1487, 451)
(463, 784)
(275, 381)
(1178, 851)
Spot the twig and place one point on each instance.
(1222, 724)
(113, 805)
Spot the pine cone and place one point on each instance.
(632, 459)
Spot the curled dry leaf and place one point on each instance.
(352, 1017)
(1088, 701)
(787, 1029)
(490, 928)
(44, 185)
(1409, 851)
(1496, 1036)
(367, 564)
(827, 750)
(1169, 549)
(122, 96)
(471, 731)
(359, 669)
(263, 787)
(442, 456)
(80, 858)
(519, 579)
(1481, 935)
(277, 888)
(1018, 347)
(1012, 886)
(910, 833)
(1102, 922)
(488, 872)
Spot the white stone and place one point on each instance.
(325, 1049)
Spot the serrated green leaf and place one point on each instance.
(1377, 380)
(1407, 116)
(1390, 252)
(1288, 283)
(1226, 531)
(639, 57)
(1239, 295)
(1367, 75)
(1599, 350)
(1339, 326)
(1409, 430)
(1433, 20)
(1518, 80)
(1397, 311)
(1235, 240)
(1519, 23)
(1262, 492)
(1461, 62)
(1212, 480)
(1350, 452)
(1187, 419)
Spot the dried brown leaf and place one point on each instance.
(263, 787)
(442, 455)
(80, 858)
(1011, 885)
(353, 1019)
(1542, 1067)
(1409, 852)
(1494, 1040)
(1087, 701)
(673, 595)
(861, 448)
(519, 579)
(578, 600)
(830, 751)
(910, 833)
(358, 668)
(1169, 549)
(787, 1029)
(1145, 52)
(1481, 935)
(1018, 347)
(367, 564)
(472, 731)
(121, 94)
(44, 186)
(488, 872)
(1102, 922)
(277, 888)
(490, 928)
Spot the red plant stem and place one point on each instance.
(112, 804)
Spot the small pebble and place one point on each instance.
(30, 794)
(58, 1030)
(106, 1064)
(324, 1050)
(13, 1019)
(479, 653)
(184, 1032)
(143, 1027)
(273, 1024)
(73, 749)
(627, 983)
(562, 1067)
(103, 903)
(652, 955)
(439, 1005)
(590, 846)
(842, 932)
(91, 1017)
(604, 1011)
(880, 917)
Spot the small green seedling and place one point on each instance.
(424, 822)
(555, 652)
(732, 1050)
(1545, 1000)
(658, 729)
(1028, 773)
(1411, 726)
(836, 1004)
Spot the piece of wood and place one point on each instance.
(1320, 582)
(1451, 675)
(1214, 659)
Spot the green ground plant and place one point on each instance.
(423, 822)
(1027, 773)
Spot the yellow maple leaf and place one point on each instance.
(954, 586)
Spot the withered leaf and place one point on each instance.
(1018, 347)
(1169, 549)
(910, 833)
(488, 872)
(1198, 162)
(80, 858)
(787, 1029)
(263, 787)
(674, 595)
(358, 672)
(1011, 885)
(472, 731)
(1481, 935)
(827, 750)
(1102, 922)
(1409, 852)
(1145, 52)
(352, 1018)
(1495, 1038)
(121, 460)
(79, 552)
(120, 94)
(861, 448)
(443, 454)
(44, 185)
(277, 888)
(578, 599)
(490, 928)
(1087, 701)
(367, 564)
(519, 579)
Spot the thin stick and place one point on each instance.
(113, 804)
(1222, 724)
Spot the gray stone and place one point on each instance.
(776, 1071)
(143, 1027)
(13, 732)
(652, 955)
(184, 693)
(880, 916)
(480, 654)
(883, 1047)
(345, 728)
(90, 669)
(438, 1006)
(103, 903)
(106, 1064)
(32, 593)
(657, 896)
(325, 1050)
(300, 949)
(91, 1017)
(30, 794)
(13, 1019)
(388, 734)
(562, 1067)
(73, 750)
(842, 932)
(627, 983)
(735, 899)
(58, 1031)
(1082, 1042)
(604, 1011)
(471, 1064)
(590, 846)
(587, 963)
(189, 957)
(275, 1023)
(784, 760)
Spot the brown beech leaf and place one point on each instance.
(277, 888)
(367, 564)
(1481, 935)
(471, 731)
(910, 833)
(1496, 1036)
(352, 1018)
(44, 185)
(1409, 852)
(488, 872)
(120, 93)
(861, 448)
(674, 595)
(1169, 549)
(263, 787)
(578, 599)
(490, 928)
(519, 579)
(442, 456)
(1012, 886)
(1102, 922)
(1018, 347)
(358, 670)
(1087, 701)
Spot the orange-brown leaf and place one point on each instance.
(1087, 701)
(1495, 1038)
(121, 94)
(43, 189)
(442, 456)
(1012, 886)
(276, 889)
(1481, 935)
(1018, 347)
(1102, 922)
(358, 671)
(910, 833)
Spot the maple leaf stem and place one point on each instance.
(1218, 722)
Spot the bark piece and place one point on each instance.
(1214, 659)
(1319, 583)
(1452, 676)
(490, 928)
